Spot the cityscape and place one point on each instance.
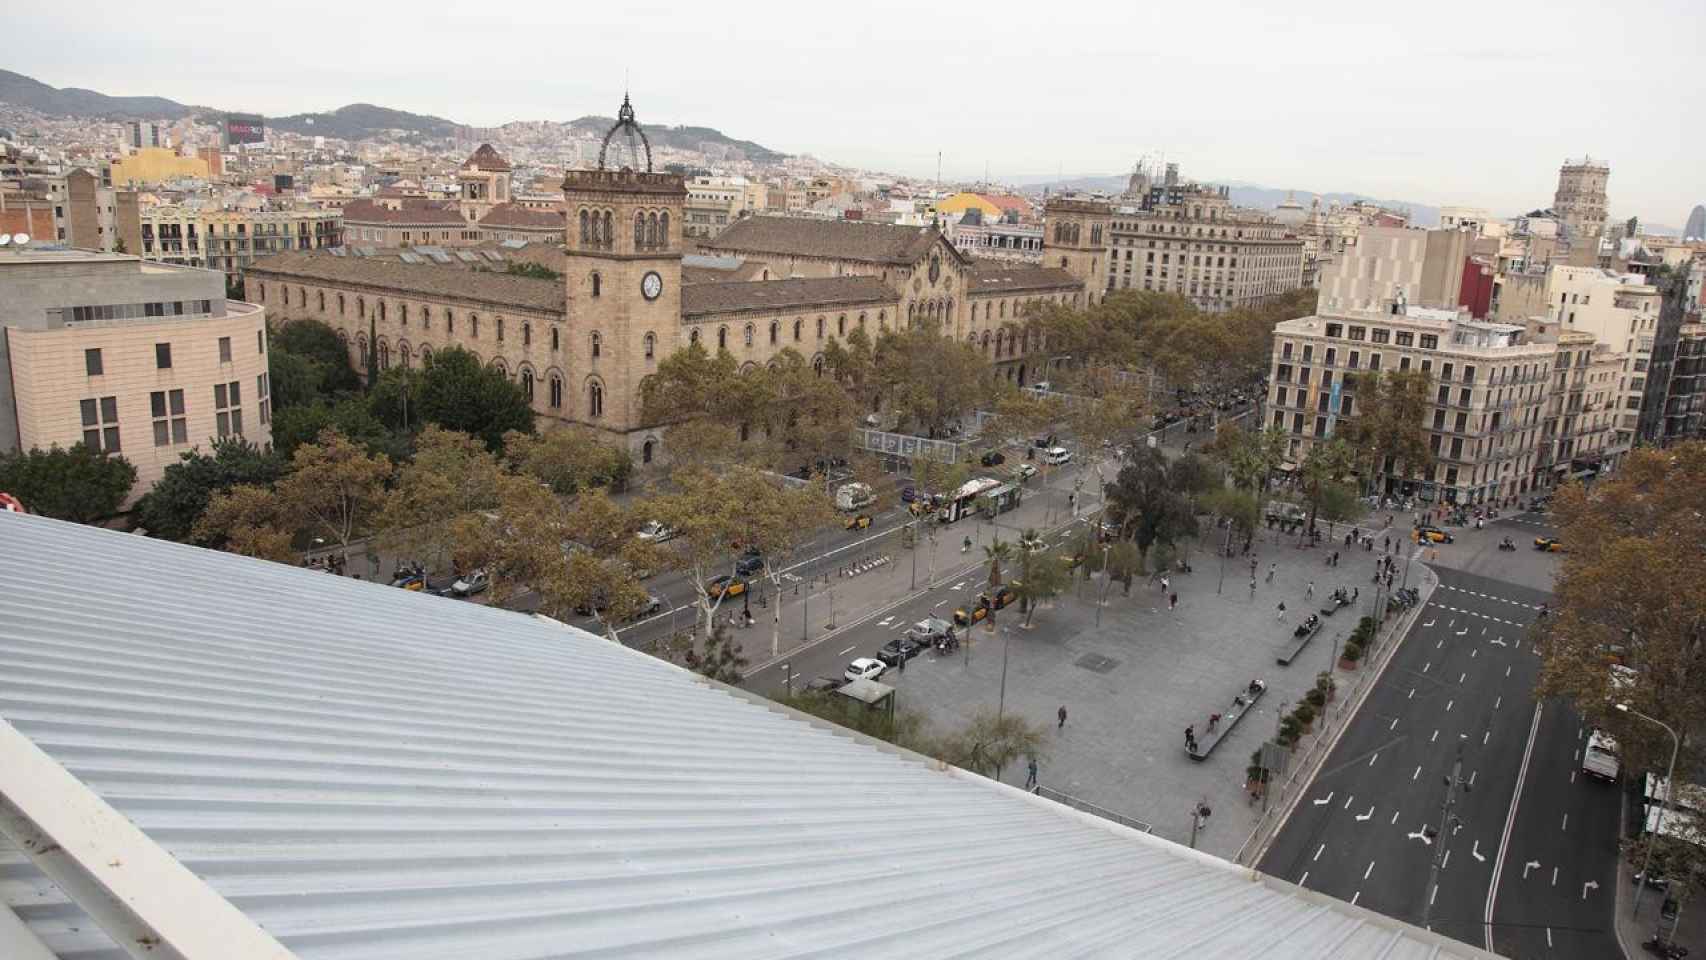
(673, 535)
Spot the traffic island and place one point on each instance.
(1242, 702)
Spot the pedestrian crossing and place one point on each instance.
(1471, 613)
(1488, 596)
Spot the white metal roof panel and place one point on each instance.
(373, 773)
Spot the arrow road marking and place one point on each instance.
(1475, 851)
(1430, 623)
(1463, 632)
(1367, 816)
(1534, 865)
(1326, 800)
(1590, 885)
(1499, 641)
(1420, 835)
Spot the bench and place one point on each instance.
(1295, 644)
(1207, 740)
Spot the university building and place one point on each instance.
(580, 347)
(486, 208)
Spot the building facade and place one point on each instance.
(1580, 201)
(1621, 311)
(229, 240)
(1190, 240)
(136, 358)
(486, 208)
(1489, 384)
(1378, 263)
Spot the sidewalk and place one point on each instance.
(1632, 931)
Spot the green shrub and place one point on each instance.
(1315, 697)
(1305, 714)
(1353, 652)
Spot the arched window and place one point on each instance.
(745, 431)
(775, 331)
(797, 325)
(663, 230)
(911, 309)
(817, 364)
(594, 399)
(609, 230)
(693, 336)
(556, 392)
(322, 298)
(651, 343)
(449, 321)
(597, 283)
(361, 308)
(381, 311)
(404, 354)
(647, 448)
(340, 304)
(426, 354)
(748, 336)
(584, 237)
(1003, 308)
(722, 338)
(639, 230)
(426, 318)
(500, 366)
(597, 347)
(986, 341)
(841, 325)
(526, 334)
(361, 349)
(974, 313)
(474, 326)
(384, 354)
(302, 296)
(500, 329)
(652, 230)
(527, 384)
(882, 319)
(405, 317)
(261, 289)
(820, 328)
(861, 320)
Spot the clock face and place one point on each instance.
(651, 285)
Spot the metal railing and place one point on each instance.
(1090, 808)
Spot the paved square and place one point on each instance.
(1132, 684)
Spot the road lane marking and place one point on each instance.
(1429, 623)
(1425, 666)
(1440, 645)
(1435, 736)
(1317, 854)
(1510, 821)
(1432, 895)
(1472, 774)
(1484, 737)
(1462, 676)
(848, 650)
(1554, 873)
(1354, 897)
(1348, 800)
(1464, 632)
(1412, 695)
(1418, 772)
(1548, 938)
(1376, 754)
(1566, 824)
(1370, 870)
(1394, 725)
(1475, 851)
(1497, 701)
(1442, 864)
(1507, 671)
(1448, 704)
(1394, 818)
(1572, 776)
(1301, 880)
(1473, 652)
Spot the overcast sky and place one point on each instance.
(1444, 102)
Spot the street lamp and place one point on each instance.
(1647, 860)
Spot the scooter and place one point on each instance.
(1506, 544)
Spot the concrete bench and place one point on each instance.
(1295, 644)
(1207, 740)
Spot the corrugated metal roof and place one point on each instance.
(367, 772)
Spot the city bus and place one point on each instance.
(963, 501)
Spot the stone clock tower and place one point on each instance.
(623, 278)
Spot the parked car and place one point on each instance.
(655, 532)
(725, 585)
(898, 649)
(751, 563)
(1549, 544)
(470, 583)
(992, 458)
(1055, 456)
(865, 668)
(1024, 471)
(858, 521)
(908, 494)
(985, 603)
(1432, 535)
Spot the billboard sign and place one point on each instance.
(244, 128)
(905, 445)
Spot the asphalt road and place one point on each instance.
(1464, 675)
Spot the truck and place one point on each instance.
(853, 496)
(1600, 757)
(1282, 511)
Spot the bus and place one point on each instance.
(964, 500)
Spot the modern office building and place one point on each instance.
(137, 358)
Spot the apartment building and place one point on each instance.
(1380, 264)
(229, 240)
(1578, 436)
(1190, 240)
(138, 358)
(712, 204)
(1490, 384)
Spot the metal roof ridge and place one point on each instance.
(149, 903)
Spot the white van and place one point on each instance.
(852, 496)
(1600, 757)
(1055, 456)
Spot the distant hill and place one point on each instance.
(1243, 194)
(359, 121)
(15, 88)
(683, 138)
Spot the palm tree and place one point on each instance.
(997, 553)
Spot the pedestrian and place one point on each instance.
(1355, 591)
(1271, 566)
(1279, 612)
(1061, 713)
(900, 661)
(1213, 721)
(1191, 735)
(1388, 547)
(1335, 558)
(1252, 587)
(1031, 774)
(1173, 601)
(1309, 591)
(1252, 567)
(1165, 585)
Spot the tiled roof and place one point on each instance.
(426, 280)
(833, 239)
(526, 218)
(992, 276)
(700, 299)
(365, 773)
(413, 212)
(486, 158)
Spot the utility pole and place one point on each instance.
(1006, 642)
(1102, 600)
(1225, 548)
(1446, 820)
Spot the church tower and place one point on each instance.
(1075, 239)
(623, 279)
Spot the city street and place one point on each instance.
(1526, 825)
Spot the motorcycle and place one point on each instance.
(1506, 544)
(1664, 948)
